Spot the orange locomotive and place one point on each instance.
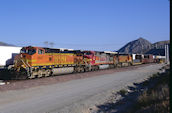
(38, 62)
(124, 60)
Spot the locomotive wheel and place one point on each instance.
(40, 74)
(92, 68)
(129, 64)
(121, 65)
(97, 67)
(112, 66)
(31, 77)
(79, 70)
(82, 69)
(86, 69)
(34, 74)
(47, 73)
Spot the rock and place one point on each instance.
(8, 83)
(2, 83)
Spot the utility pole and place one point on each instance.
(168, 61)
(167, 54)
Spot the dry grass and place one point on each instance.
(155, 99)
(150, 96)
(123, 92)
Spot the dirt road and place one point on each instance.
(73, 96)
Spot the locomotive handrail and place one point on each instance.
(24, 62)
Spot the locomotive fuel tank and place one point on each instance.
(104, 66)
(66, 70)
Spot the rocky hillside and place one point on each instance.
(158, 48)
(160, 44)
(142, 45)
(5, 44)
(137, 46)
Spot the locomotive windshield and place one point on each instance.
(28, 51)
(87, 53)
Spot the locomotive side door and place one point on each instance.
(40, 57)
(44, 59)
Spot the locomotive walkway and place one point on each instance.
(74, 96)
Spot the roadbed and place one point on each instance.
(23, 84)
(72, 96)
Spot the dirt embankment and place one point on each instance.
(150, 96)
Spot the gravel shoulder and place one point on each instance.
(23, 84)
(74, 96)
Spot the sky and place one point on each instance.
(83, 24)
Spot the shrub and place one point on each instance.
(123, 92)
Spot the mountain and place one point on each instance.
(160, 52)
(140, 45)
(158, 48)
(160, 44)
(5, 44)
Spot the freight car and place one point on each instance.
(147, 58)
(159, 59)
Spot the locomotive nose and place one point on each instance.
(86, 56)
(19, 61)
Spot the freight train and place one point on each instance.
(36, 62)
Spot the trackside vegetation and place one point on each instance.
(156, 98)
(149, 96)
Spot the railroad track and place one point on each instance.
(21, 84)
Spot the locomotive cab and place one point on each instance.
(27, 58)
(28, 50)
(88, 56)
(24, 59)
(30, 54)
